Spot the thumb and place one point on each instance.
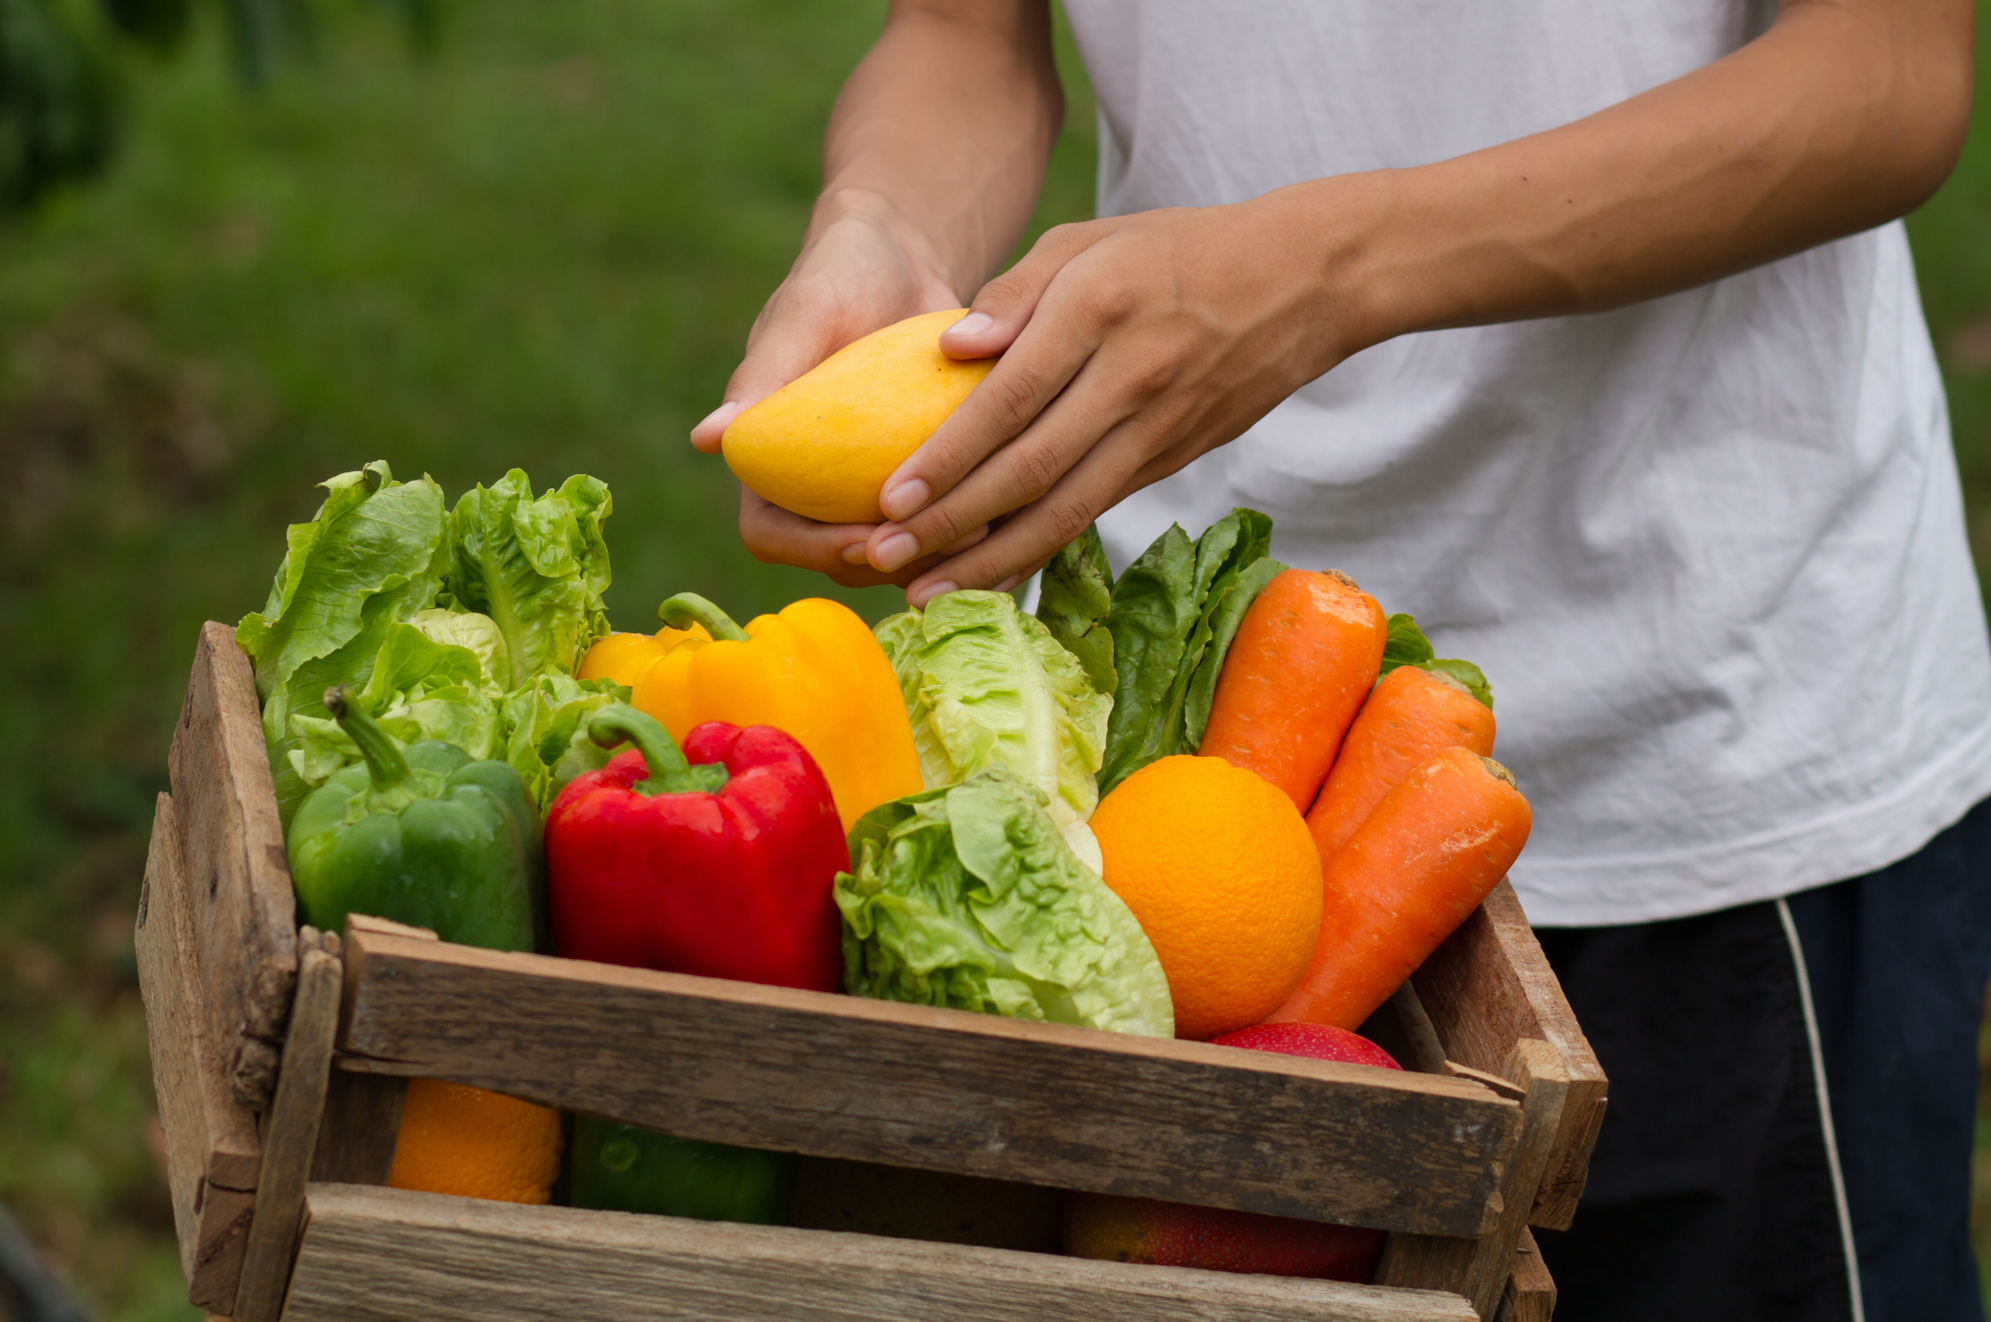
(784, 343)
(1005, 304)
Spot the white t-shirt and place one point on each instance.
(1708, 549)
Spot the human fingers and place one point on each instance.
(851, 279)
(1029, 538)
(1016, 474)
(774, 536)
(1037, 360)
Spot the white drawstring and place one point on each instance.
(1825, 1112)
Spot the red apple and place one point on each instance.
(1217, 1239)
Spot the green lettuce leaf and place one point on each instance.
(1176, 608)
(969, 897)
(418, 689)
(1406, 645)
(536, 566)
(372, 556)
(1074, 596)
(543, 727)
(988, 686)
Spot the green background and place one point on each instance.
(541, 247)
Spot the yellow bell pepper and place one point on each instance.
(623, 657)
(813, 670)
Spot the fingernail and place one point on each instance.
(940, 589)
(856, 554)
(720, 416)
(1009, 583)
(906, 499)
(896, 550)
(973, 324)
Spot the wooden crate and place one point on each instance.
(281, 1057)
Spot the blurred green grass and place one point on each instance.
(542, 248)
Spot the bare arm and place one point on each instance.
(1137, 343)
(932, 164)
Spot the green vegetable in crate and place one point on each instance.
(987, 685)
(1163, 628)
(969, 897)
(422, 835)
(623, 1168)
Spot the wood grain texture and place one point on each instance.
(1530, 1295)
(1479, 1267)
(1486, 988)
(390, 1254)
(290, 1129)
(213, 1156)
(232, 850)
(1541, 1070)
(361, 1126)
(906, 1085)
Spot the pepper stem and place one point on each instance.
(670, 773)
(688, 608)
(384, 763)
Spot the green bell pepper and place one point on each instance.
(420, 835)
(621, 1168)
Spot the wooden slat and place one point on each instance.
(390, 1254)
(1530, 1293)
(361, 1126)
(1486, 988)
(1478, 1268)
(290, 1129)
(231, 842)
(907, 1085)
(212, 1153)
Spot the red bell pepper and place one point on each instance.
(717, 860)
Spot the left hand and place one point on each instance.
(1129, 346)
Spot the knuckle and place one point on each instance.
(939, 526)
(1014, 395)
(1037, 467)
(1066, 518)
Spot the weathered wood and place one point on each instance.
(361, 1126)
(907, 1085)
(1486, 988)
(1479, 1267)
(1530, 1295)
(212, 1153)
(232, 850)
(390, 1254)
(1505, 1087)
(1541, 1070)
(290, 1129)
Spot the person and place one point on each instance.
(1589, 334)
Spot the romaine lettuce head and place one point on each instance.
(969, 897)
(372, 556)
(544, 731)
(988, 686)
(536, 566)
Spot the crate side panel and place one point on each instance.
(836, 1076)
(390, 1254)
(212, 1154)
(1489, 987)
(238, 876)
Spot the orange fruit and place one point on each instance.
(475, 1144)
(1219, 868)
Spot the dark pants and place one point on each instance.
(1712, 1192)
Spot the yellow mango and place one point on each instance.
(823, 445)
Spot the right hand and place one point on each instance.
(861, 268)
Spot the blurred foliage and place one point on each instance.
(61, 71)
(542, 247)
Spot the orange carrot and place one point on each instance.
(1411, 873)
(1412, 716)
(1303, 660)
